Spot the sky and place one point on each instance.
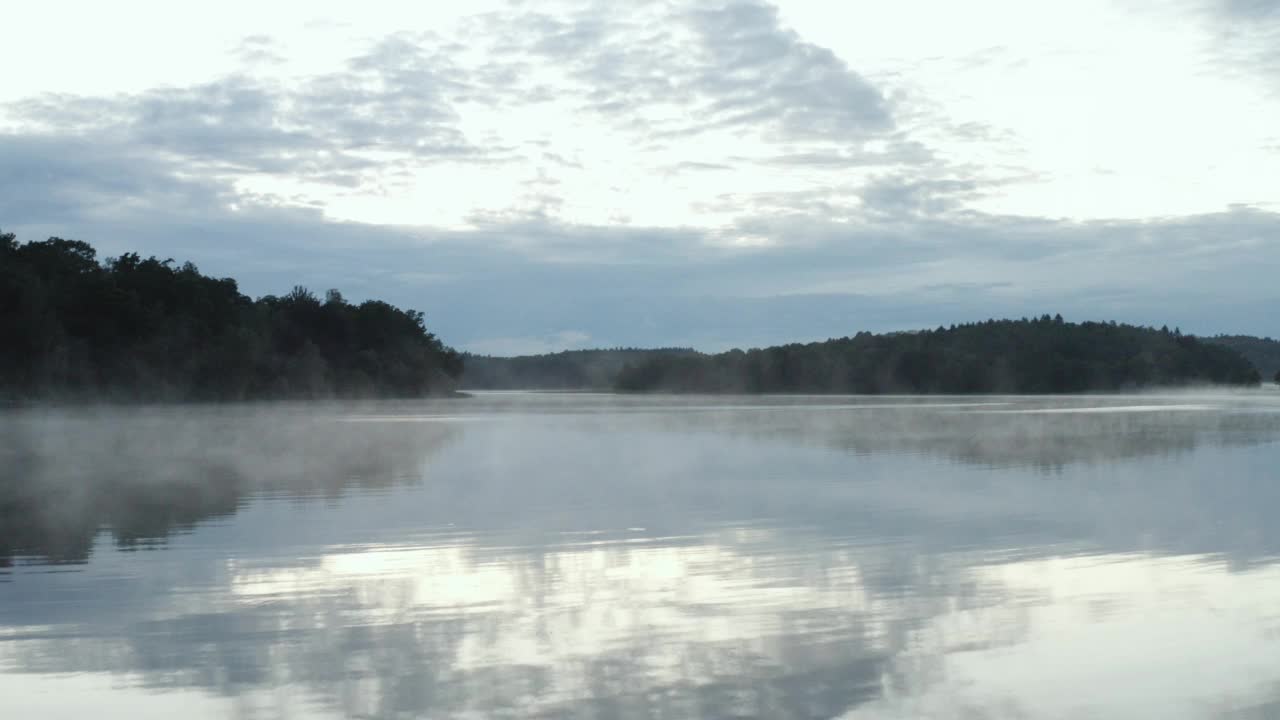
(538, 176)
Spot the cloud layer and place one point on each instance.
(664, 174)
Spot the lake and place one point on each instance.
(527, 555)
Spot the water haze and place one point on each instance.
(526, 555)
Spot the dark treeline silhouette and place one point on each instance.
(1263, 352)
(1044, 355)
(129, 328)
(567, 370)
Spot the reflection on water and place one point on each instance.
(143, 475)
(596, 557)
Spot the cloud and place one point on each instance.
(516, 287)
(258, 50)
(758, 72)
(668, 72)
(694, 166)
(896, 195)
(392, 99)
(64, 178)
(1248, 38)
(515, 284)
(1251, 9)
(896, 153)
(812, 211)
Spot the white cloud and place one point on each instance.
(600, 163)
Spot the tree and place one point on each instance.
(1032, 355)
(131, 328)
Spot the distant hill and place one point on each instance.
(567, 370)
(1264, 353)
(1044, 355)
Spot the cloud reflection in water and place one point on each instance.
(593, 557)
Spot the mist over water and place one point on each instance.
(594, 556)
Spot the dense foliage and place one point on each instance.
(567, 370)
(134, 328)
(1264, 353)
(1045, 355)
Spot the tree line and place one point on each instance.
(1041, 355)
(134, 328)
(565, 370)
(1263, 352)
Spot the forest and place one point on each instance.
(129, 328)
(1041, 355)
(143, 329)
(1263, 352)
(565, 370)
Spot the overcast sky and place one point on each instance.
(539, 175)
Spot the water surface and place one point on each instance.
(588, 556)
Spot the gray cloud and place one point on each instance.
(1248, 39)
(904, 257)
(908, 153)
(730, 67)
(1251, 9)
(258, 50)
(519, 283)
(155, 172)
(726, 66)
(394, 98)
(51, 179)
(758, 71)
(898, 195)
(693, 166)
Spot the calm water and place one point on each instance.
(587, 556)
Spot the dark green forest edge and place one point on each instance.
(1041, 355)
(132, 329)
(1046, 355)
(567, 370)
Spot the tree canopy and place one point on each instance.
(1263, 352)
(565, 370)
(134, 328)
(1043, 355)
